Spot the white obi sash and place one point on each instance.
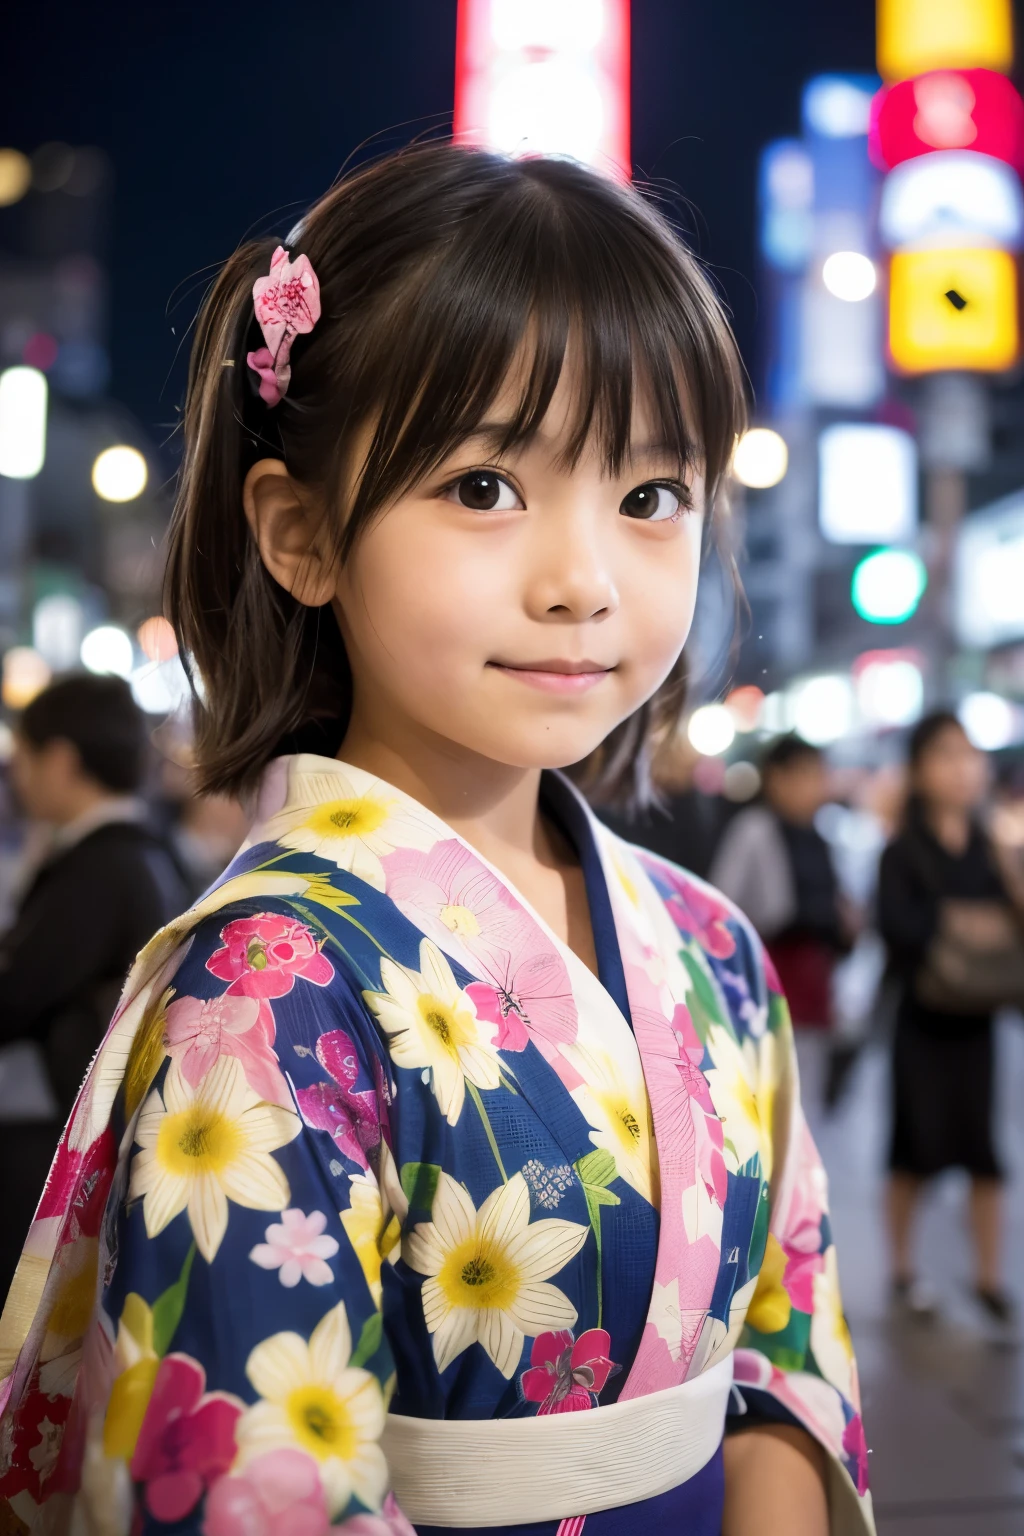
(492, 1472)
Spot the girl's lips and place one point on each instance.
(550, 680)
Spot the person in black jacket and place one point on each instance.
(942, 1071)
(106, 884)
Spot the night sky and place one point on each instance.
(219, 118)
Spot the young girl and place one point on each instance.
(445, 1163)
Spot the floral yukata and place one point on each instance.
(365, 1136)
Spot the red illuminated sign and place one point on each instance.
(948, 109)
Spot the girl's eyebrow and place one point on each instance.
(495, 433)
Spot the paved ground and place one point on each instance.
(943, 1405)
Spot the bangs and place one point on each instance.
(561, 268)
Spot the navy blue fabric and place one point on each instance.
(562, 807)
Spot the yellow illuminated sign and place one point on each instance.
(918, 35)
(953, 309)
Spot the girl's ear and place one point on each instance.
(285, 527)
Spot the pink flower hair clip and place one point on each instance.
(287, 304)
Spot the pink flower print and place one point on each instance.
(390, 1522)
(350, 1116)
(856, 1447)
(278, 1491)
(187, 1439)
(287, 304)
(37, 1430)
(80, 1181)
(697, 910)
(563, 1374)
(263, 955)
(298, 1249)
(472, 916)
(199, 1032)
(798, 1223)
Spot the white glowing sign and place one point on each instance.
(867, 484)
(988, 575)
(955, 197)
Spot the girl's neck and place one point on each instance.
(493, 806)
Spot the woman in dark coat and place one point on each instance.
(942, 1060)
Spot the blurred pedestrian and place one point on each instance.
(105, 883)
(957, 952)
(776, 866)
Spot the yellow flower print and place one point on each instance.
(146, 1054)
(487, 1272)
(830, 1336)
(374, 1234)
(431, 1023)
(771, 1308)
(351, 819)
(314, 1401)
(742, 1080)
(618, 1112)
(204, 1146)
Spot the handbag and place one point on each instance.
(975, 962)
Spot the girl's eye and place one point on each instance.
(653, 503)
(484, 491)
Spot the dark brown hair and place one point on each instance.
(100, 719)
(437, 267)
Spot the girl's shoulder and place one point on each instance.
(703, 917)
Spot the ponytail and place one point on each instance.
(232, 619)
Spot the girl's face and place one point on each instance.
(952, 774)
(519, 610)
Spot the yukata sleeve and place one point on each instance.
(794, 1360)
(250, 1371)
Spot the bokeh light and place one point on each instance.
(120, 474)
(989, 720)
(23, 398)
(157, 639)
(108, 648)
(822, 709)
(25, 674)
(15, 176)
(849, 276)
(888, 585)
(711, 730)
(761, 458)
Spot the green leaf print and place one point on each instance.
(702, 1001)
(597, 1168)
(369, 1339)
(419, 1183)
(596, 1171)
(169, 1306)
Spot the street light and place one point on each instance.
(119, 474)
